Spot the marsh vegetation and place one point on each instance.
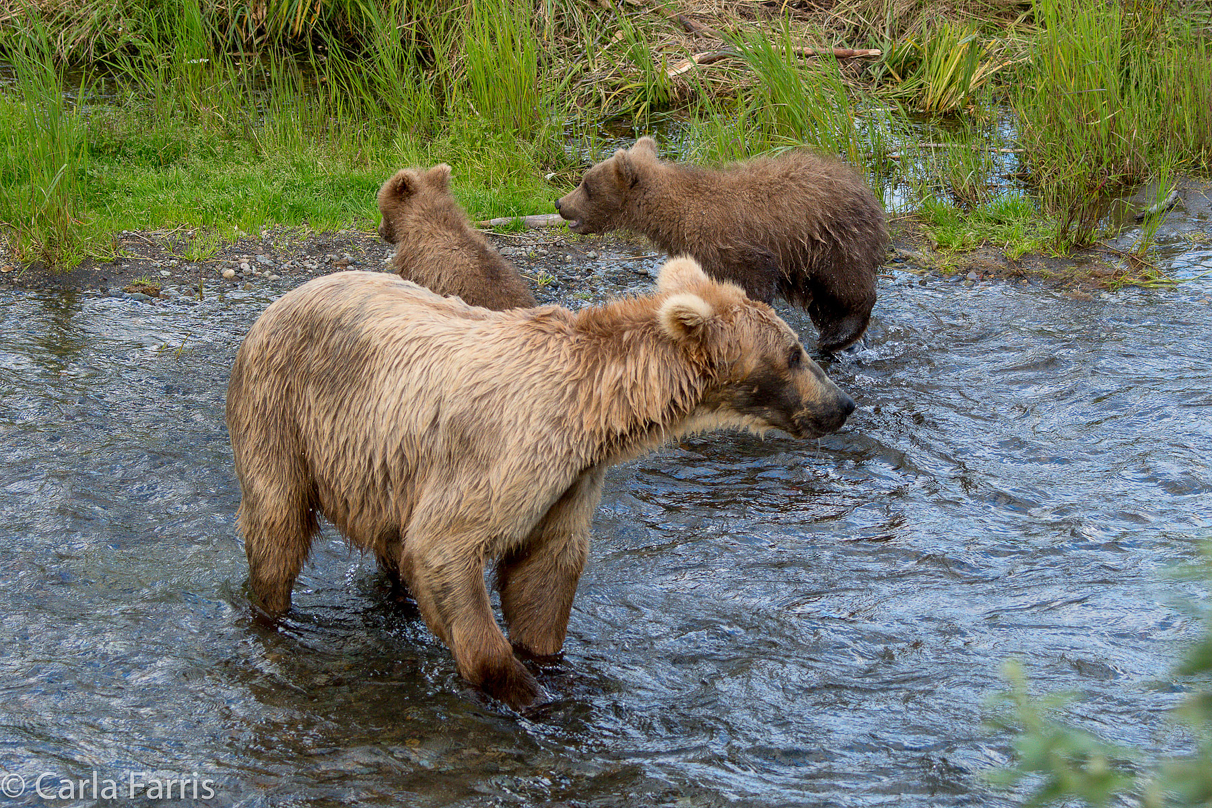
(992, 121)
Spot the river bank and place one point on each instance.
(166, 264)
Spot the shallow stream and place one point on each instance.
(762, 622)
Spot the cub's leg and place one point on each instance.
(538, 581)
(840, 307)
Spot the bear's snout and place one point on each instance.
(821, 420)
(848, 406)
(557, 204)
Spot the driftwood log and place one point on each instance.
(710, 57)
(534, 222)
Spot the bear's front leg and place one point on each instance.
(538, 581)
(840, 309)
(448, 585)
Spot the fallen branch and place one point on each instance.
(711, 57)
(705, 58)
(839, 53)
(693, 26)
(534, 222)
(971, 146)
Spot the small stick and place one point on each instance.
(533, 222)
(711, 57)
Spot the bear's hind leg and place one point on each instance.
(539, 581)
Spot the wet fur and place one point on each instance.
(444, 437)
(800, 226)
(438, 248)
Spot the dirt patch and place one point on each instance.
(165, 264)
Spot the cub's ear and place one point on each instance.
(439, 176)
(625, 173)
(685, 316)
(644, 147)
(681, 274)
(400, 186)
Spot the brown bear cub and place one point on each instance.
(800, 225)
(438, 248)
(443, 437)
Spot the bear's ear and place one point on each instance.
(681, 274)
(685, 316)
(624, 169)
(438, 176)
(644, 147)
(402, 185)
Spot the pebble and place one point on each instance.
(592, 255)
(274, 277)
(244, 267)
(229, 273)
(263, 259)
(972, 276)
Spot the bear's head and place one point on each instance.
(398, 197)
(599, 203)
(762, 377)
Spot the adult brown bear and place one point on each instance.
(443, 437)
(438, 248)
(799, 225)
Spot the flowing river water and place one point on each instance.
(763, 622)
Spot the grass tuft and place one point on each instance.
(43, 157)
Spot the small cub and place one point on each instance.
(799, 225)
(437, 247)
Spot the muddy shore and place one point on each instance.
(152, 265)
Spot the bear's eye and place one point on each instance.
(796, 358)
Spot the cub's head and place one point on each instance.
(599, 203)
(763, 377)
(399, 197)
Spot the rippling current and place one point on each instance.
(763, 622)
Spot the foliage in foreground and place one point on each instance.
(1062, 763)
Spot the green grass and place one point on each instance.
(1010, 223)
(1109, 95)
(43, 158)
(220, 117)
(229, 143)
(143, 178)
(943, 69)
